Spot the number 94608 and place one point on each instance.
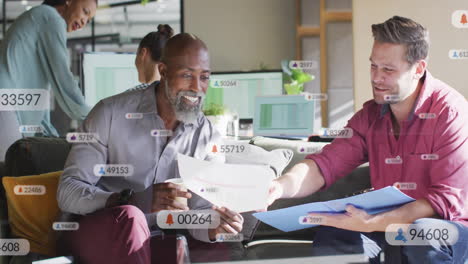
(421, 234)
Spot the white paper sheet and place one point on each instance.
(240, 188)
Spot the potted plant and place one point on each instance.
(218, 116)
(294, 79)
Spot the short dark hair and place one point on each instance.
(156, 40)
(58, 2)
(402, 30)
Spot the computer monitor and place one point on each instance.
(284, 116)
(237, 90)
(106, 74)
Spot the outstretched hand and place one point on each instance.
(164, 197)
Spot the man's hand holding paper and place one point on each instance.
(353, 219)
(232, 189)
(240, 188)
(231, 223)
(165, 197)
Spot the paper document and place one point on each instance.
(58, 260)
(240, 188)
(374, 202)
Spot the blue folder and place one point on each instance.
(373, 202)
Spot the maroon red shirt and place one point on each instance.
(429, 159)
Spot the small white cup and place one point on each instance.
(179, 182)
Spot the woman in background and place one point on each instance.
(34, 55)
(149, 55)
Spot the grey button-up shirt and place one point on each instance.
(129, 141)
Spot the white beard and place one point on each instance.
(184, 113)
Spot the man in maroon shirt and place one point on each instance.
(414, 134)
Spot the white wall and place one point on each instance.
(241, 34)
(435, 15)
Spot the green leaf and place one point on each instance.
(301, 77)
(293, 88)
(214, 109)
(304, 77)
